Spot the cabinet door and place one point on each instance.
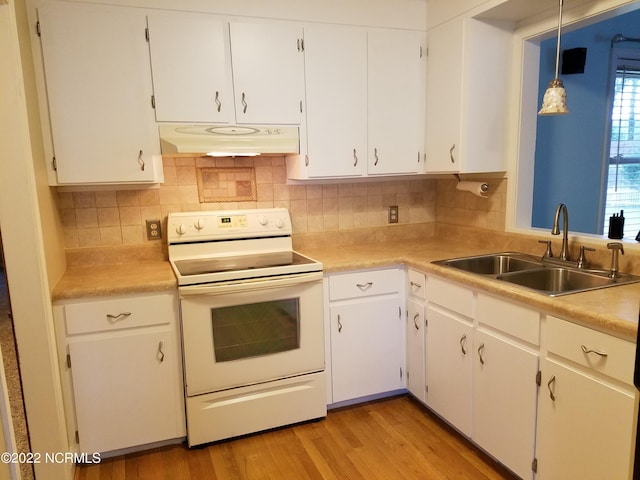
(126, 389)
(336, 90)
(449, 367)
(396, 75)
(504, 401)
(96, 63)
(416, 363)
(268, 72)
(191, 64)
(586, 430)
(444, 95)
(366, 348)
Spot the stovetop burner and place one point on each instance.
(201, 266)
(221, 246)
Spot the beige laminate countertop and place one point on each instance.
(614, 310)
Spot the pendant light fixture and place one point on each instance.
(554, 101)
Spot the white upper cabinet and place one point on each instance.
(191, 64)
(365, 103)
(396, 91)
(98, 81)
(206, 69)
(336, 89)
(268, 72)
(467, 96)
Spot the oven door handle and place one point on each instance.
(252, 284)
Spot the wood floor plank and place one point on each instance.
(386, 439)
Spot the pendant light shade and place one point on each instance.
(554, 101)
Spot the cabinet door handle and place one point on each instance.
(339, 324)
(480, 351)
(141, 160)
(244, 103)
(375, 154)
(355, 158)
(160, 353)
(589, 350)
(364, 286)
(217, 100)
(414, 284)
(119, 316)
(463, 340)
(550, 384)
(415, 323)
(453, 147)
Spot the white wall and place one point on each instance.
(23, 243)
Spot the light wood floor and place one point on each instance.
(389, 439)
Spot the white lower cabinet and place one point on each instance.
(449, 366)
(415, 333)
(366, 331)
(504, 400)
(586, 407)
(482, 363)
(121, 371)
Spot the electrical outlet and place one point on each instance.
(393, 214)
(154, 230)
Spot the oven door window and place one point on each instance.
(255, 329)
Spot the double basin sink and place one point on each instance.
(532, 273)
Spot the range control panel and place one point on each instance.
(184, 227)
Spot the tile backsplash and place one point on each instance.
(117, 217)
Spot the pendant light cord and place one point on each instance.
(558, 44)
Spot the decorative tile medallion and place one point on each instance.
(232, 184)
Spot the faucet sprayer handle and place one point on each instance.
(616, 246)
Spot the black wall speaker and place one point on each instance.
(573, 60)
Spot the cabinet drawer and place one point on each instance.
(616, 357)
(450, 295)
(511, 318)
(120, 312)
(363, 284)
(416, 283)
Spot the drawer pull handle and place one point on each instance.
(415, 323)
(141, 161)
(244, 103)
(121, 316)
(160, 353)
(480, 351)
(589, 350)
(551, 383)
(416, 285)
(463, 340)
(339, 324)
(364, 286)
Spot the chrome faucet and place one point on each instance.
(564, 253)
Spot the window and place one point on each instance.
(623, 175)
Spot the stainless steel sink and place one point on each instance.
(493, 264)
(559, 281)
(530, 272)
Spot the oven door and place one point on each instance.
(251, 332)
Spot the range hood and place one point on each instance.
(229, 140)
